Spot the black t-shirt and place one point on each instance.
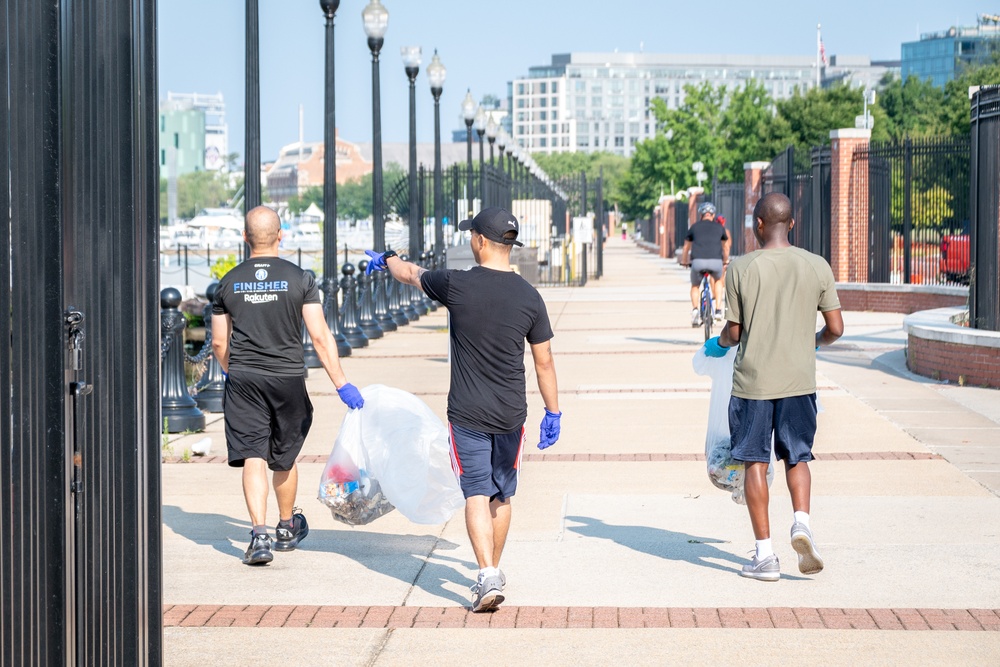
(264, 297)
(492, 312)
(706, 237)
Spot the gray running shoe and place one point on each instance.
(487, 594)
(503, 579)
(766, 569)
(259, 551)
(810, 561)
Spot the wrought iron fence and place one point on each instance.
(805, 180)
(984, 248)
(918, 210)
(730, 203)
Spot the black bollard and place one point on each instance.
(380, 283)
(417, 294)
(406, 298)
(349, 311)
(331, 311)
(308, 349)
(393, 290)
(212, 384)
(366, 304)
(178, 409)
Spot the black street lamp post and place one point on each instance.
(501, 142)
(480, 124)
(330, 308)
(251, 167)
(435, 75)
(491, 136)
(411, 63)
(376, 21)
(469, 114)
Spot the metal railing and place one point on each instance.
(918, 202)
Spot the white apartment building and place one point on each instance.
(216, 128)
(601, 101)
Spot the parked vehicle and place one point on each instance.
(955, 255)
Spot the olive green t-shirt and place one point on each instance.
(774, 295)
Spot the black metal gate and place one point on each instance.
(680, 213)
(79, 468)
(730, 203)
(918, 203)
(805, 180)
(984, 291)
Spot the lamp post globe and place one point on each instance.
(436, 73)
(411, 65)
(502, 141)
(469, 114)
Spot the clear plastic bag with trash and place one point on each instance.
(725, 472)
(393, 453)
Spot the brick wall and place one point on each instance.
(966, 364)
(906, 299)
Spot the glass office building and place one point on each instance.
(939, 56)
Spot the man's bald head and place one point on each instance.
(773, 208)
(262, 226)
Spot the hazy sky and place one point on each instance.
(486, 44)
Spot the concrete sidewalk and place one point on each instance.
(621, 550)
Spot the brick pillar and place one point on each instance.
(848, 206)
(667, 222)
(696, 195)
(753, 184)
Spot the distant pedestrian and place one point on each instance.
(772, 296)
(492, 311)
(257, 318)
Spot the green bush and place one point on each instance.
(221, 266)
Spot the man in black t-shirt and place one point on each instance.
(706, 248)
(257, 318)
(492, 311)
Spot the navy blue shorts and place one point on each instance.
(792, 420)
(267, 417)
(487, 464)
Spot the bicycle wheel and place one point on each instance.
(706, 310)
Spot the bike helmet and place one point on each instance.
(706, 207)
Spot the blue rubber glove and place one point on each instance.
(713, 349)
(549, 432)
(351, 397)
(376, 263)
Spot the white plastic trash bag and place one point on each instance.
(394, 452)
(725, 472)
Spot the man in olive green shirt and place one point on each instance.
(772, 296)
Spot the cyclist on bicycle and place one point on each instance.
(706, 249)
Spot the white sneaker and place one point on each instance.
(810, 561)
(695, 317)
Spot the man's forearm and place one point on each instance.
(548, 386)
(404, 272)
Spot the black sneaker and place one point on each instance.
(287, 540)
(259, 551)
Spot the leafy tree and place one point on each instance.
(750, 129)
(957, 110)
(569, 165)
(195, 191)
(299, 203)
(911, 108)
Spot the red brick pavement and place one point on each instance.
(298, 616)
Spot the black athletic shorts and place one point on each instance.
(267, 417)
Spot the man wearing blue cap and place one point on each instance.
(493, 310)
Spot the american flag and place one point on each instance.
(822, 53)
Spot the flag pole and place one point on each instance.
(819, 41)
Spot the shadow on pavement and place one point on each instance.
(666, 544)
(413, 559)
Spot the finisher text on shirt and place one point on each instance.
(268, 286)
